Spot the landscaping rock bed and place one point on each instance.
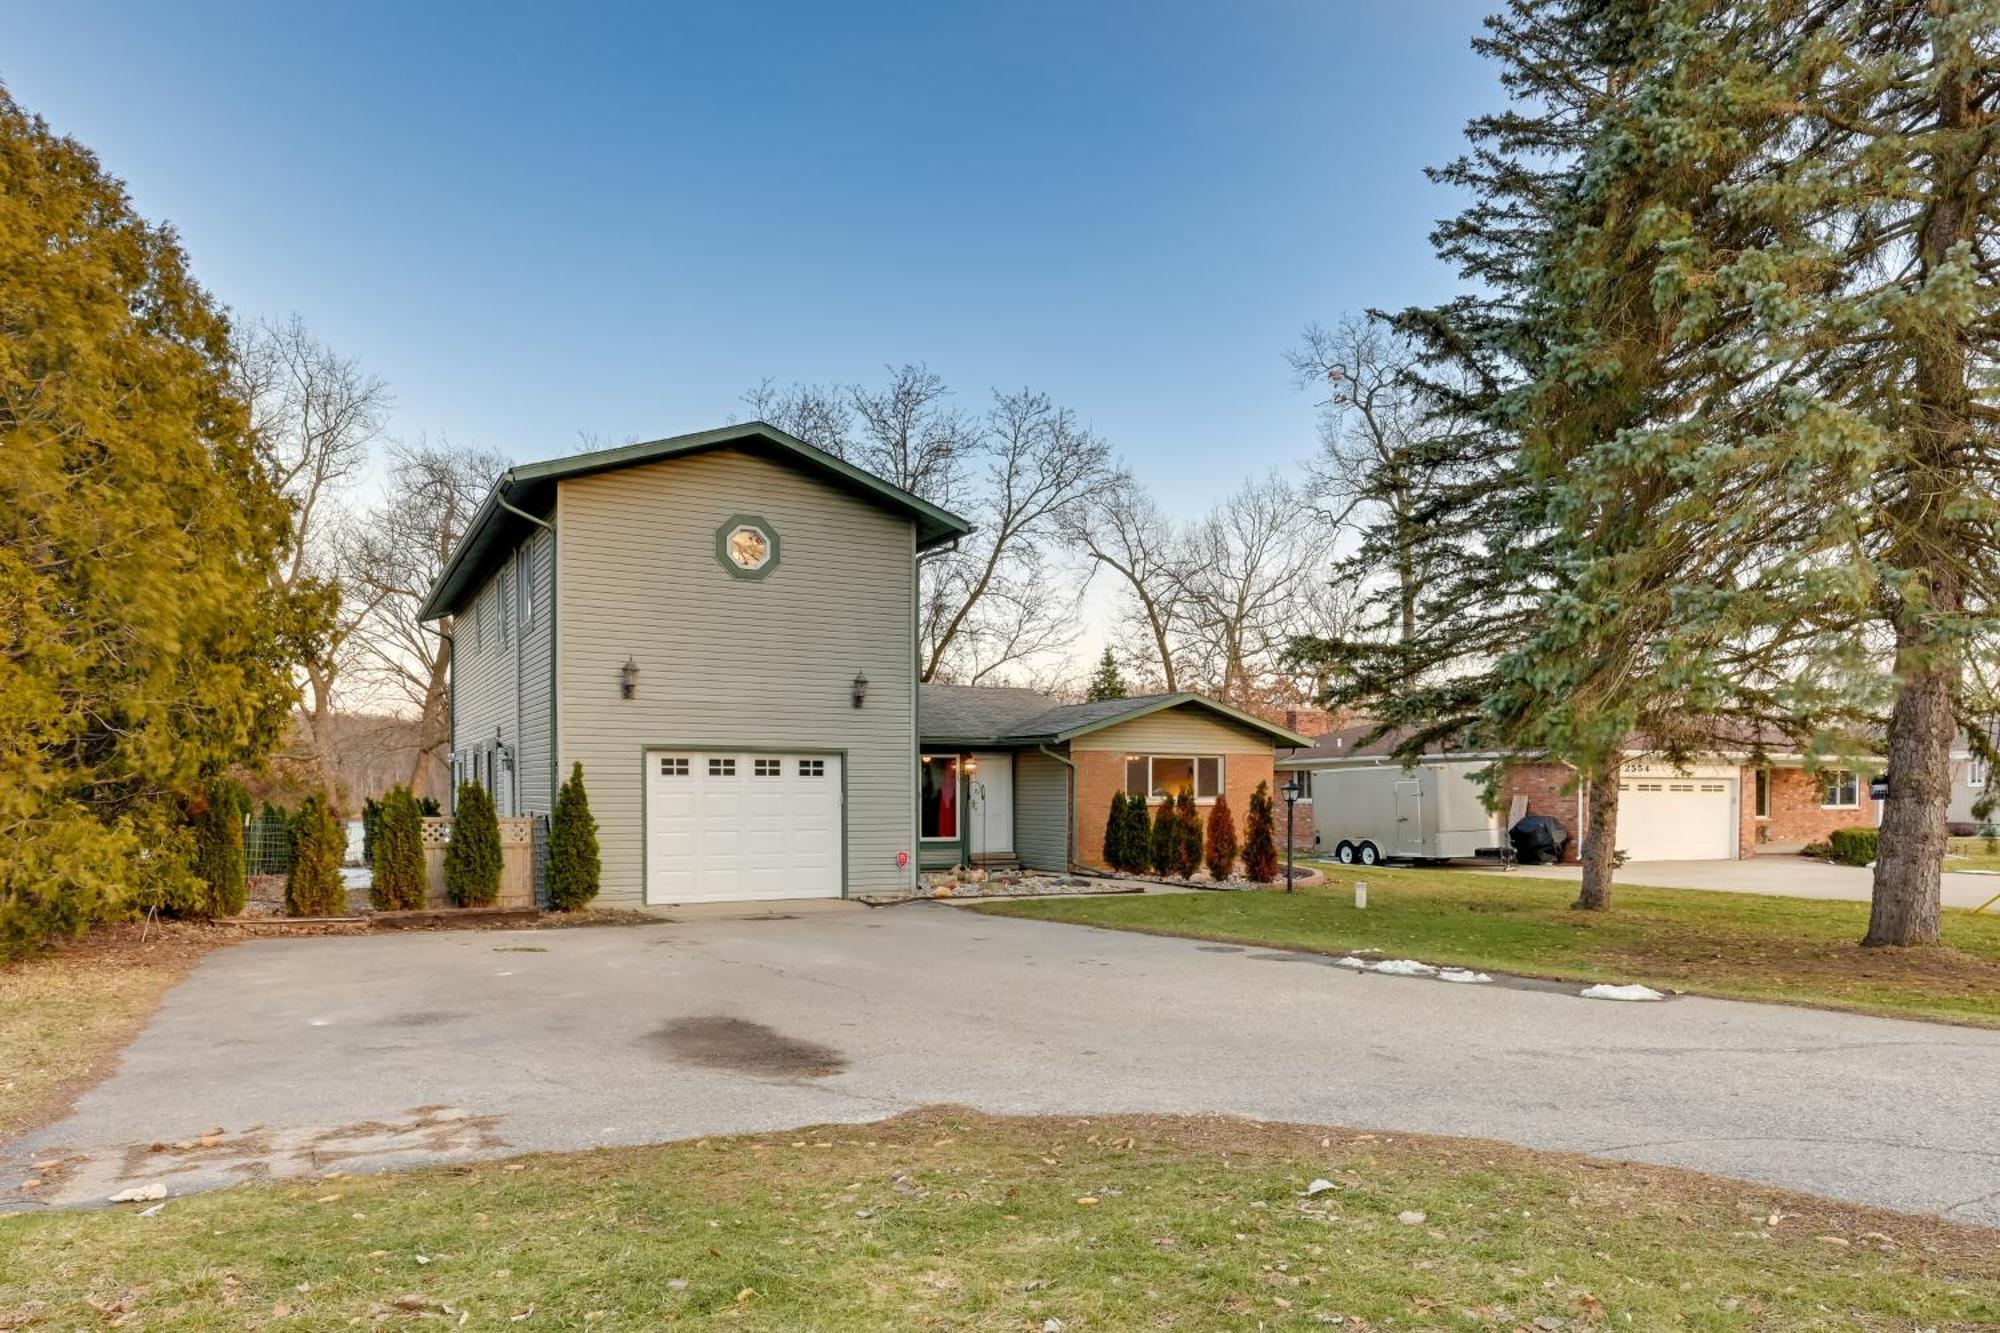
(1009, 883)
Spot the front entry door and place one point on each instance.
(989, 806)
(1409, 816)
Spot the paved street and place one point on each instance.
(304, 1055)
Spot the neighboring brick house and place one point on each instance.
(1720, 807)
(1014, 776)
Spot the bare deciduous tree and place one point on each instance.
(1247, 577)
(1123, 530)
(433, 491)
(988, 605)
(315, 415)
(1372, 426)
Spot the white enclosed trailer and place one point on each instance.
(1369, 812)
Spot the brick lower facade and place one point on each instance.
(1798, 812)
(1100, 773)
(1544, 785)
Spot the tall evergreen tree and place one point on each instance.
(144, 647)
(1864, 421)
(218, 841)
(1260, 844)
(1107, 683)
(397, 881)
(319, 844)
(1187, 835)
(1163, 847)
(1219, 850)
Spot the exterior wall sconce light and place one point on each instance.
(860, 688)
(972, 766)
(628, 679)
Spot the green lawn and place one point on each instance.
(1742, 945)
(949, 1220)
(1974, 854)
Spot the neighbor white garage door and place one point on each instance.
(1677, 819)
(724, 827)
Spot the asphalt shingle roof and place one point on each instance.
(1006, 714)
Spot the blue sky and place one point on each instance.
(536, 222)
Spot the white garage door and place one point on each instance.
(1677, 819)
(724, 827)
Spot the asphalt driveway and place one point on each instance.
(317, 1055)
(1777, 874)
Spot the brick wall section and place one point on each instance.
(1543, 784)
(1303, 829)
(1797, 817)
(1099, 773)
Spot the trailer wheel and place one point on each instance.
(1344, 853)
(1367, 854)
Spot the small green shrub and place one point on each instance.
(1187, 840)
(1221, 852)
(573, 865)
(1260, 847)
(371, 820)
(218, 847)
(319, 845)
(1852, 846)
(396, 882)
(472, 857)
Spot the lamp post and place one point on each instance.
(1291, 791)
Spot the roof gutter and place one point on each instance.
(500, 494)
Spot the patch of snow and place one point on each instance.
(356, 877)
(1602, 992)
(1358, 964)
(1463, 975)
(1403, 967)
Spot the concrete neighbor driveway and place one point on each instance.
(287, 1057)
(1776, 874)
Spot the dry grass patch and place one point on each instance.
(946, 1219)
(66, 1014)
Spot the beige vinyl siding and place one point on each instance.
(536, 646)
(727, 662)
(501, 679)
(1183, 729)
(1041, 811)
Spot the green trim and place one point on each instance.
(528, 488)
(671, 747)
(729, 527)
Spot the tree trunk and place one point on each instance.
(1910, 852)
(430, 770)
(1600, 836)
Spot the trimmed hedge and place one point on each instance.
(1117, 854)
(573, 865)
(1852, 846)
(472, 857)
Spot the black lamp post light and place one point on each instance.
(1291, 794)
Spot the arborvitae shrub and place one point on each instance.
(1138, 836)
(1221, 851)
(319, 845)
(1187, 842)
(472, 857)
(397, 882)
(573, 866)
(1115, 854)
(1260, 848)
(218, 847)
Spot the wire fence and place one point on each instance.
(267, 843)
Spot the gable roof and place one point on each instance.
(1000, 714)
(525, 494)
